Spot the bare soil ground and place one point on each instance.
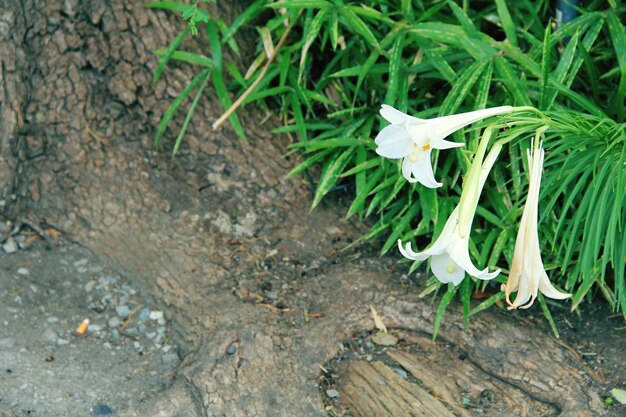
(210, 265)
(50, 370)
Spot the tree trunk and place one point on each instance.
(216, 234)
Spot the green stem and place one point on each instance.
(472, 186)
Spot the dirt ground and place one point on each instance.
(50, 370)
(211, 288)
(46, 368)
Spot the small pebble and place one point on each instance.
(21, 241)
(101, 410)
(156, 315)
(81, 262)
(131, 332)
(114, 322)
(169, 358)
(369, 358)
(49, 336)
(144, 314)
(62, 342)
(332, 393)
(7, 342)
(52, 319)
(231, 349)
(23, 271)
(384, 339)
(93, 328)
(10, 245)
(123, 311)
(401, 372)
(90, 285)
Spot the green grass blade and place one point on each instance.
(395, 66)
(445, 300)
(169, 113)
(330, 174)
(512, 82)
(358, 26)
(183, 129)
(546, 313)
(168, 54)
(168, 5)
(309, 38)
(507, 23)
(462, 87)
(188, 57)
(545, 68)
(309, 162)
(301, 4)
(248, 14)
(488, 302)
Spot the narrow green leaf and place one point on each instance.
(359, 200)
(214, 43)
(395, 63)
(512, 82)
(507, 23)
(181, 134)
(488, 302)
(248, 14)
(461, 89)
(333, 28)
(466, 295)
(168, 5)
(464, 20)
(188, 57)
(546, 313)
(169, 113)
(309, 162)
(300, 4)
(309, 37)
(545, 67)
(445, 300)
(168, 54)
(330, 175)
(358, 26)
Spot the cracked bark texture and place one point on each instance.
(78, 113)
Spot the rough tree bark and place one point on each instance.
(78, 113)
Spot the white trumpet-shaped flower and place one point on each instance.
(450, 258)
(414, 139)
(527, 274)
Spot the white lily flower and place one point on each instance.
(450, 252)
(414, 139)
(527, 272)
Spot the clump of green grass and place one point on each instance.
(326, 66)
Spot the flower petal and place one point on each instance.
(446, 270)
(547, 289)
(407, 169)
(393, 142)
(444, 144)
(395, 116)
(422, 170)
(408, 252)
(459, 253)
(446, 125)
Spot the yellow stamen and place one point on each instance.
(426, 147)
